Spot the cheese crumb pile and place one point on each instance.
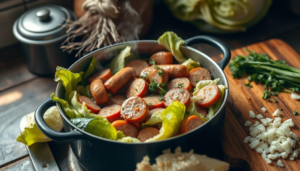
(272, 138)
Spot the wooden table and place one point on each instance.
(21, 91)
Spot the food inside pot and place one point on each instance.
(142, 99)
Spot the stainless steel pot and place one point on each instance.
(41, 32)
(95, 153)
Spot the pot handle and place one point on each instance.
(49, 132)
(215, 43)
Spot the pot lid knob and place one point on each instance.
(43, 14)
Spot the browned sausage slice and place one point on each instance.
(111, 112)
(175, 70)
(138, 66)
(104, 75)
(127, 128)
(147, 71)
(198, 74)
(201, 110)
(89, 104)
(159, 76)
(117, 99)
(119, 80)
(190, 123)
(162, 58)
(98, 92)
(139, 87)
(134, 109)
(154, 101)
(177, 94)
(147, 133)
(179, 83)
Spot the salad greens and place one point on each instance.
(190, 64)
(32, 133)
(172, 43)
(96, 126)
(171, 120)
(276, 75)
(118, 62)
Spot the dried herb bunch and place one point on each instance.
(94, 29)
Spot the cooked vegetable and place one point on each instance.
(229, 15)
(32, 133)
(118, 62)
(172, 43)
(276, 76)
(171, 119)
(191, 64)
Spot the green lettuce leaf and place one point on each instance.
(32, 133)
(172, 43)
(214, 108)
(204, 83)
(190, 64)
(69, 110)
(96, 126)
(68, 79)
(84, 91)
(171, 117)
(118, 62)
(191, 109)
(155, 119)
(91, 69)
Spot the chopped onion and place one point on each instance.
(277, 113)
(251, 114)
(264, 156)
(263, 109)
(264, 122)
(291, 158)
(295, 153)
(279, 163)
(284, 155)
(295, 96)
(254, 143)
(294, 136)
(276, 122)
(259, 116)
(289, 122)
(248, 123)
(247, 139)
(269, 120)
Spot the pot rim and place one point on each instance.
(138, 143)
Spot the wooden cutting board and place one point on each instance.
(241, 100)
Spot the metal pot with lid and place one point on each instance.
(41, 32)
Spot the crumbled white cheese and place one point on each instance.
(251, 114)
(248, 123)
(277, 113)
(263, 109)
(279, 163)
(259, 116)
(295, 96)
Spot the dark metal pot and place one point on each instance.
(41, 33)
(95, 153)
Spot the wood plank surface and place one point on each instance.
(15, 103)
(241, 100)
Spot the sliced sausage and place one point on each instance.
(159, 76)
(162, 58)
(89, 104)
(179, 83)
(104, 75)
(111, 112)
(154, 101)
(138, 66)
(150, 113)
(139, 87)
(147, 133)
(177, 94)
(119, 80)
(201, 109)
(98, 92)
(198, 74)
(117, 99)
(128, 129)
(147, 71)
(134, 109)
(190, 123)
(175, 70)
(208, 95)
